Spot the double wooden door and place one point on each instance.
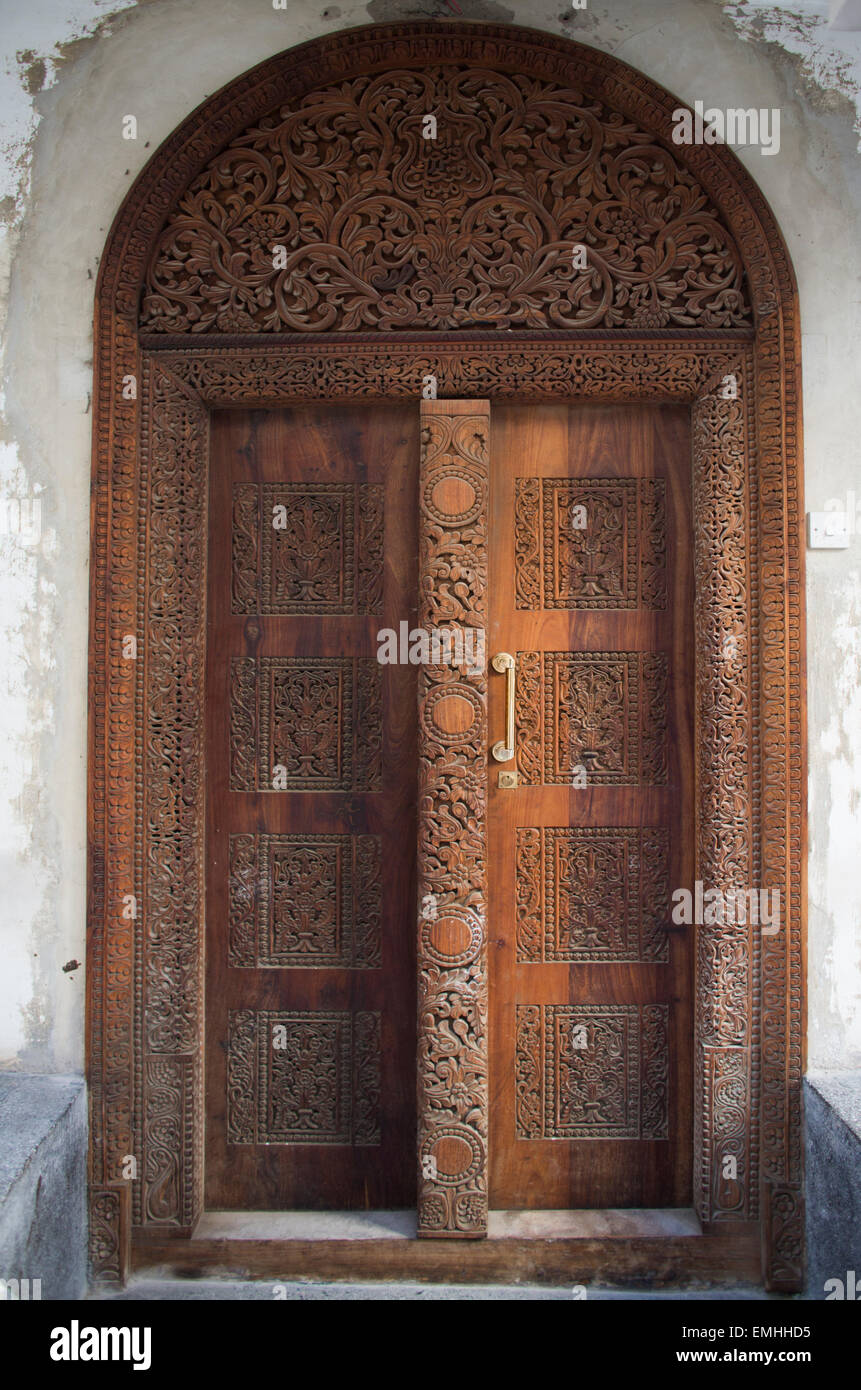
(312, 750)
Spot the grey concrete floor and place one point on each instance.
(214, 1290)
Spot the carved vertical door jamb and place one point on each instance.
(727, 956)
(112, 936)
(170, 775)
(452, 851)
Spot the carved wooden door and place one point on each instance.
(590, 983)
(311, 791)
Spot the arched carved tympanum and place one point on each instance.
(393, 246)
(384, 227)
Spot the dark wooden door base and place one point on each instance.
(644, 1263)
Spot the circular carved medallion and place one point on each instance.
(457, 1152)
(454, 496)
(453, 938)
(453, 713)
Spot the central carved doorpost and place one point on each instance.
(452, 849)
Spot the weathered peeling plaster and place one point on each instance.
(828, 61)
(835, 1004)
(64, 170)
(36, 40)
(41, 1023)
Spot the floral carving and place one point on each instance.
(313, 548)
(328, 368)
(318, 721)
(591, 1071)
(593, 543)
(337, 215)
(590, 711)
(303, 1077)
(592, 894)
(305, 901)
(590, 563)
(527, 543)
(602, 711)
(108, 1232)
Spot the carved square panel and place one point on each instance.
(604, 713)
(313, 548)
(591, 1071)
(303, 1077)
(590, 543)
(592, 894)
(305, 724)
(305, 901)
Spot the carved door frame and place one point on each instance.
(145, 896)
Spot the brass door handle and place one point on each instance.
(503, 749)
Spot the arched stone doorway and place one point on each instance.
(454, 262)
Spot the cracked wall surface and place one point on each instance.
(71, 70)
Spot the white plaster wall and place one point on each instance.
(71, 69)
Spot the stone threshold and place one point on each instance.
(610, 1224)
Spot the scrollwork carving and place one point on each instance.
(286, 230)
(726, 952)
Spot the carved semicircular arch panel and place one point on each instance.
(347, 211)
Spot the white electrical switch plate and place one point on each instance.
(827, 530)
